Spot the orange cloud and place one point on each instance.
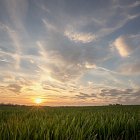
(122, 46)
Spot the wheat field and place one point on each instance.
(70, 123)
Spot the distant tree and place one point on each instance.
(115, 104)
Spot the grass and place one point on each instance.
(70, 123)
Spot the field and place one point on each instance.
(69, 123)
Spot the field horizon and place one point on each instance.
(39, 105)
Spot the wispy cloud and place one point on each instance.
(49, 26)
(132, 5)
(79, 36)
(16, 43)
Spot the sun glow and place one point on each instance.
(38, 100)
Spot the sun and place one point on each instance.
(38, 100)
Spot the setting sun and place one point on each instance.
(38, 100)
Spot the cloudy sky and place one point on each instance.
(70, 52)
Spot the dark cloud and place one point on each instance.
(14, 88)
(54, 87)
(50, 89)
(85, 96)
(111, 94)
(119, 92)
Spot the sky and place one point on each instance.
(70, 52)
